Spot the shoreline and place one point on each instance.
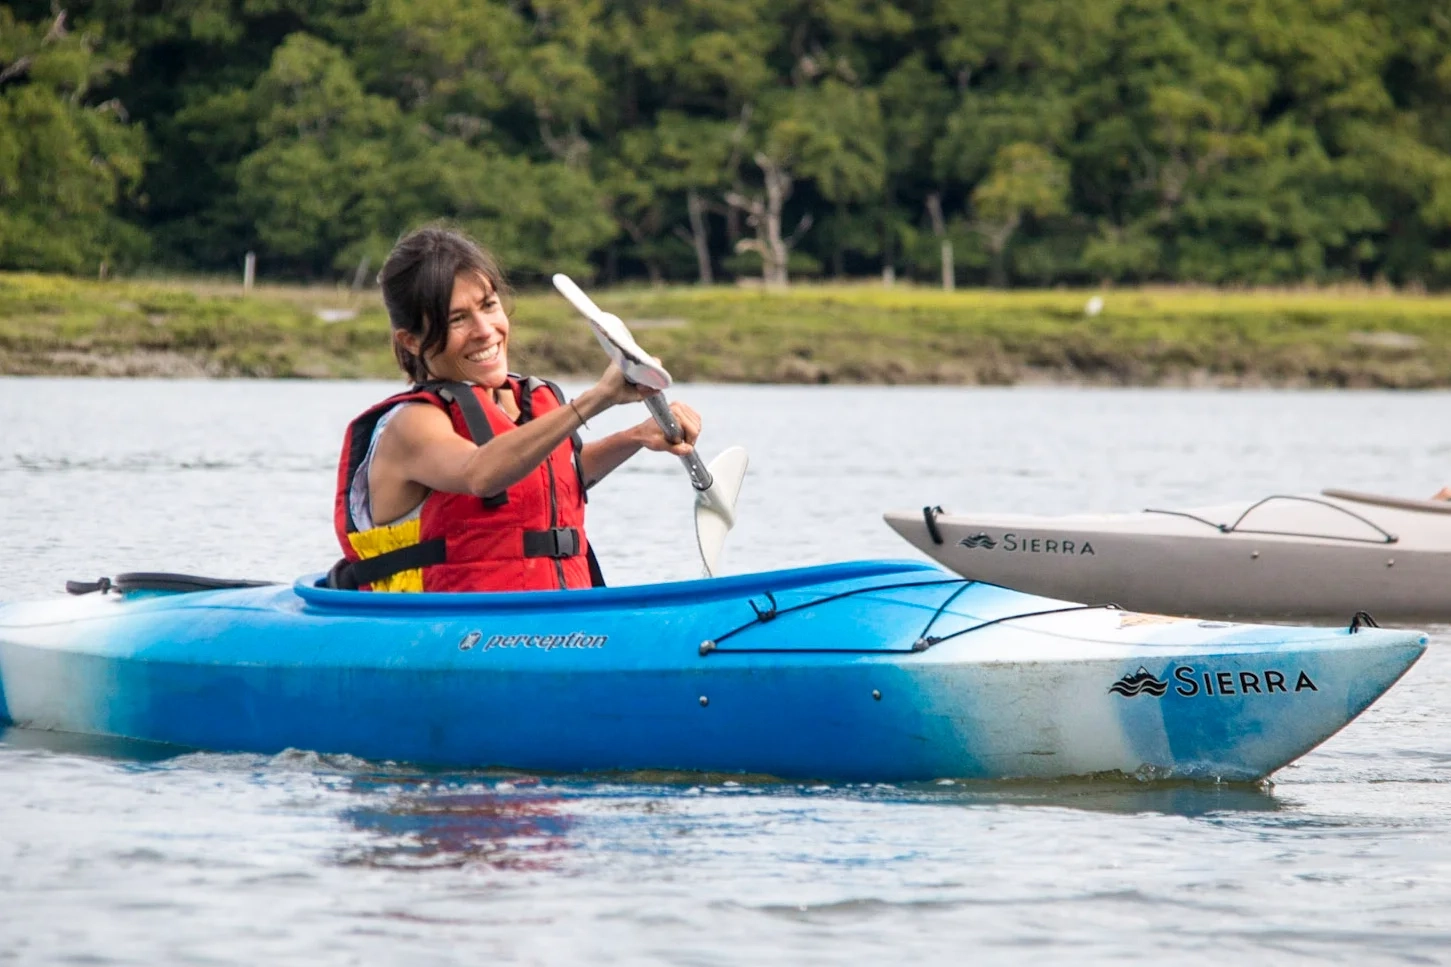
(141, 364)
(810, 334)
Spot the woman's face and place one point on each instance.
(477, 349)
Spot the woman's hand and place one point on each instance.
(1443, 494)
(611, 389)
(652, 437)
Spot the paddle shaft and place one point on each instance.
(659, 407)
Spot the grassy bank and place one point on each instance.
(857, 333)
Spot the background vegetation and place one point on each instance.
(1010, 142)
(806, 334)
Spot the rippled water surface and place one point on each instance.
(112, 852)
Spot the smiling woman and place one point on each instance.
(473, 479)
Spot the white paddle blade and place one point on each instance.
(715, 507)
(612, 333)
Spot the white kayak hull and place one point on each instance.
(1300, 556)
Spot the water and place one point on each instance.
(114, 852)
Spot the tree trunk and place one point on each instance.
(733, 221)
(764, 215)
(774, 252)
(889, 267)
(939, 228)
(997, 243)
(361, 275)
(838, 257)
(698, 236)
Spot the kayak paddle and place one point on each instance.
(717, 487)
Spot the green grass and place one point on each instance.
(815, 333)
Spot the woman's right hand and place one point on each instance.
(612, 389)
(1443, 494)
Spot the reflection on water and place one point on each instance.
(519, 822)
(422, 823)
(69, 743)
(1120, 794)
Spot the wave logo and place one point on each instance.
(978, 540)
(1138, 683)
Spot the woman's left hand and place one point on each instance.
(652, 437)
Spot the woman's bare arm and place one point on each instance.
(421, 447)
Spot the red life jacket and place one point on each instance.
(528, 538)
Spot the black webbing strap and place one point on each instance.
(351, 575)
(596, 576)
(575, 440)
(480, 430)
(526, 398)
(556, 542)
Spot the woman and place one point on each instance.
(474, 479)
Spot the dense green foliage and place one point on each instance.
(50, 324)
(1033, 142)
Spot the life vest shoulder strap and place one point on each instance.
(532, 383)
(481, 431)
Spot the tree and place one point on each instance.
(653, 170)
(66, 161)
(830, 133)
(915, 101)
(1024, 180)
(1241, 141)
(325, 174)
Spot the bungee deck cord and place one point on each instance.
(923, 641)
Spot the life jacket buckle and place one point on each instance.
(555, 542)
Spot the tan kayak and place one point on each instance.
(1323, 555)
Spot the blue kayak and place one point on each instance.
(874, 670)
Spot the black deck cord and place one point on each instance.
(923, 642)
(1361, 619)
(941, 608)
(769, 613)
(929, 517)
(1386, 536)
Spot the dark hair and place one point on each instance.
(417, 283)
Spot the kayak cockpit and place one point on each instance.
(312, 589)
